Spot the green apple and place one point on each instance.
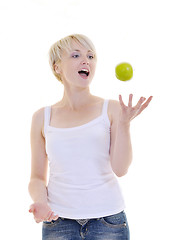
(124, 71)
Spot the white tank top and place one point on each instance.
(81, 181)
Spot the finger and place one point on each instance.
(121, 101)
(48, 217)
(55, 217)
(142, 99)
(37, 220)
(130, 100)
(147, 102)
(144, 105)
(51, 217)
(31, 209)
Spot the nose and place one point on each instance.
(85, 60)
(85, 63)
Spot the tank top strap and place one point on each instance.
(47, 112)
(104, 111)
(105, 106)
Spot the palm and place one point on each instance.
(42, 211)
(129, 112)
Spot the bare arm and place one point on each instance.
(39, 164)
(122, 153)
(37, 185)
(121, 148)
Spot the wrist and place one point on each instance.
(41, 202)
(124, 124)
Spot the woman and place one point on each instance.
(86, 140)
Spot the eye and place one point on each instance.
(90, 56)
(75, 55)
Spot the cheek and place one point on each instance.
(69, 72)
(93, 69)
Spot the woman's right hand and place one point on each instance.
(42, 212)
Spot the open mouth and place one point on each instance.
(84, 73)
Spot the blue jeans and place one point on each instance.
(113, 227)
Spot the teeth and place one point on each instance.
(84, 70)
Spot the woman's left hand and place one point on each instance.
(128, 112)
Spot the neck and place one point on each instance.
(75, 100)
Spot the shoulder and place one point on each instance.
(38, 120)
(38, 115)
(114, 109)
(114, 105)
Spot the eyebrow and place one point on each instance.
(76, 50)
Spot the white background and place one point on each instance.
(122, 30)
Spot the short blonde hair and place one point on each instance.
(65, 44)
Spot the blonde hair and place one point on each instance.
(65, 44)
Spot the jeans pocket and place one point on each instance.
(52, 223)
(115, 221)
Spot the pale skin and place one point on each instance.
(79, 106)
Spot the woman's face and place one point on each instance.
(77, 66)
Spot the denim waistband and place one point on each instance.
(80, 221)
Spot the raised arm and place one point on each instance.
(121, 147)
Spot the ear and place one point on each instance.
(57, 68)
